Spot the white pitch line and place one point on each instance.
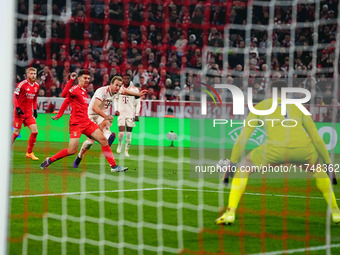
(85, 192)
(152, 189)
(253, 194)
(313, 248)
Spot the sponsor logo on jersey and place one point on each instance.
(30, 95)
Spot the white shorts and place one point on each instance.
(96, 119)
(126, 122)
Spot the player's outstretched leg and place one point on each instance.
(61, 154)
(127, 144)
(238, 186)
(84, 148)
(120, 141)
(72, 149)
(324, 185)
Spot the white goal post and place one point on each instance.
(6, 70)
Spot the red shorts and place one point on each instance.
(86, 129)
(19, 120)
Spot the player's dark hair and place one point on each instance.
(116, 78)
(279, 84)
(84, 71)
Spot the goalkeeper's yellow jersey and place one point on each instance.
(304, 134)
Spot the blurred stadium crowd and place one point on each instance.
(155, 41)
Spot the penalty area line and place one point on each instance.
(299, 250)
(153, 189)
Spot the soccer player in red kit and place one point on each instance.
(25, 109)
(81, 124)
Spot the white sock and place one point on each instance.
(120, 138)
(107, 132)
(85, 147)
(128, 141)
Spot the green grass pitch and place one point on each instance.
(150, 201)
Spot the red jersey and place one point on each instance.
(25, 97)
(79, 104)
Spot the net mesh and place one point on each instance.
(157, 207)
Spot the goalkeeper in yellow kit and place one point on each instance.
(297, 145)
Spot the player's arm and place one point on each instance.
(99, 111)
(137, 108)
(135, 94)
(35, 105)
(62, 109)
(115, 104)
(15, 100)
(318, 142)
(238, 148)
(65, 91)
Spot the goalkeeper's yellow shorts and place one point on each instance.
(268, 154)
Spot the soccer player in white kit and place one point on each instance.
(127, 109)
(98, 112)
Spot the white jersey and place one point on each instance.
(127, 106)
(104, 95)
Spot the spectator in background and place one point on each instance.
(335, 102)
(90, 90)
(329, 115)
(177, 94)
(106, 80)
(319, 101)
(54, 91)
(42, 92)
(181, 44)
(46, 80)
(115, 70)
(36, 49)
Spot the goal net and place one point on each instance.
(168, 200)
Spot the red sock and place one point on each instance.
(31, 142)
(109, 155)
(61, 154)
(14, 136)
